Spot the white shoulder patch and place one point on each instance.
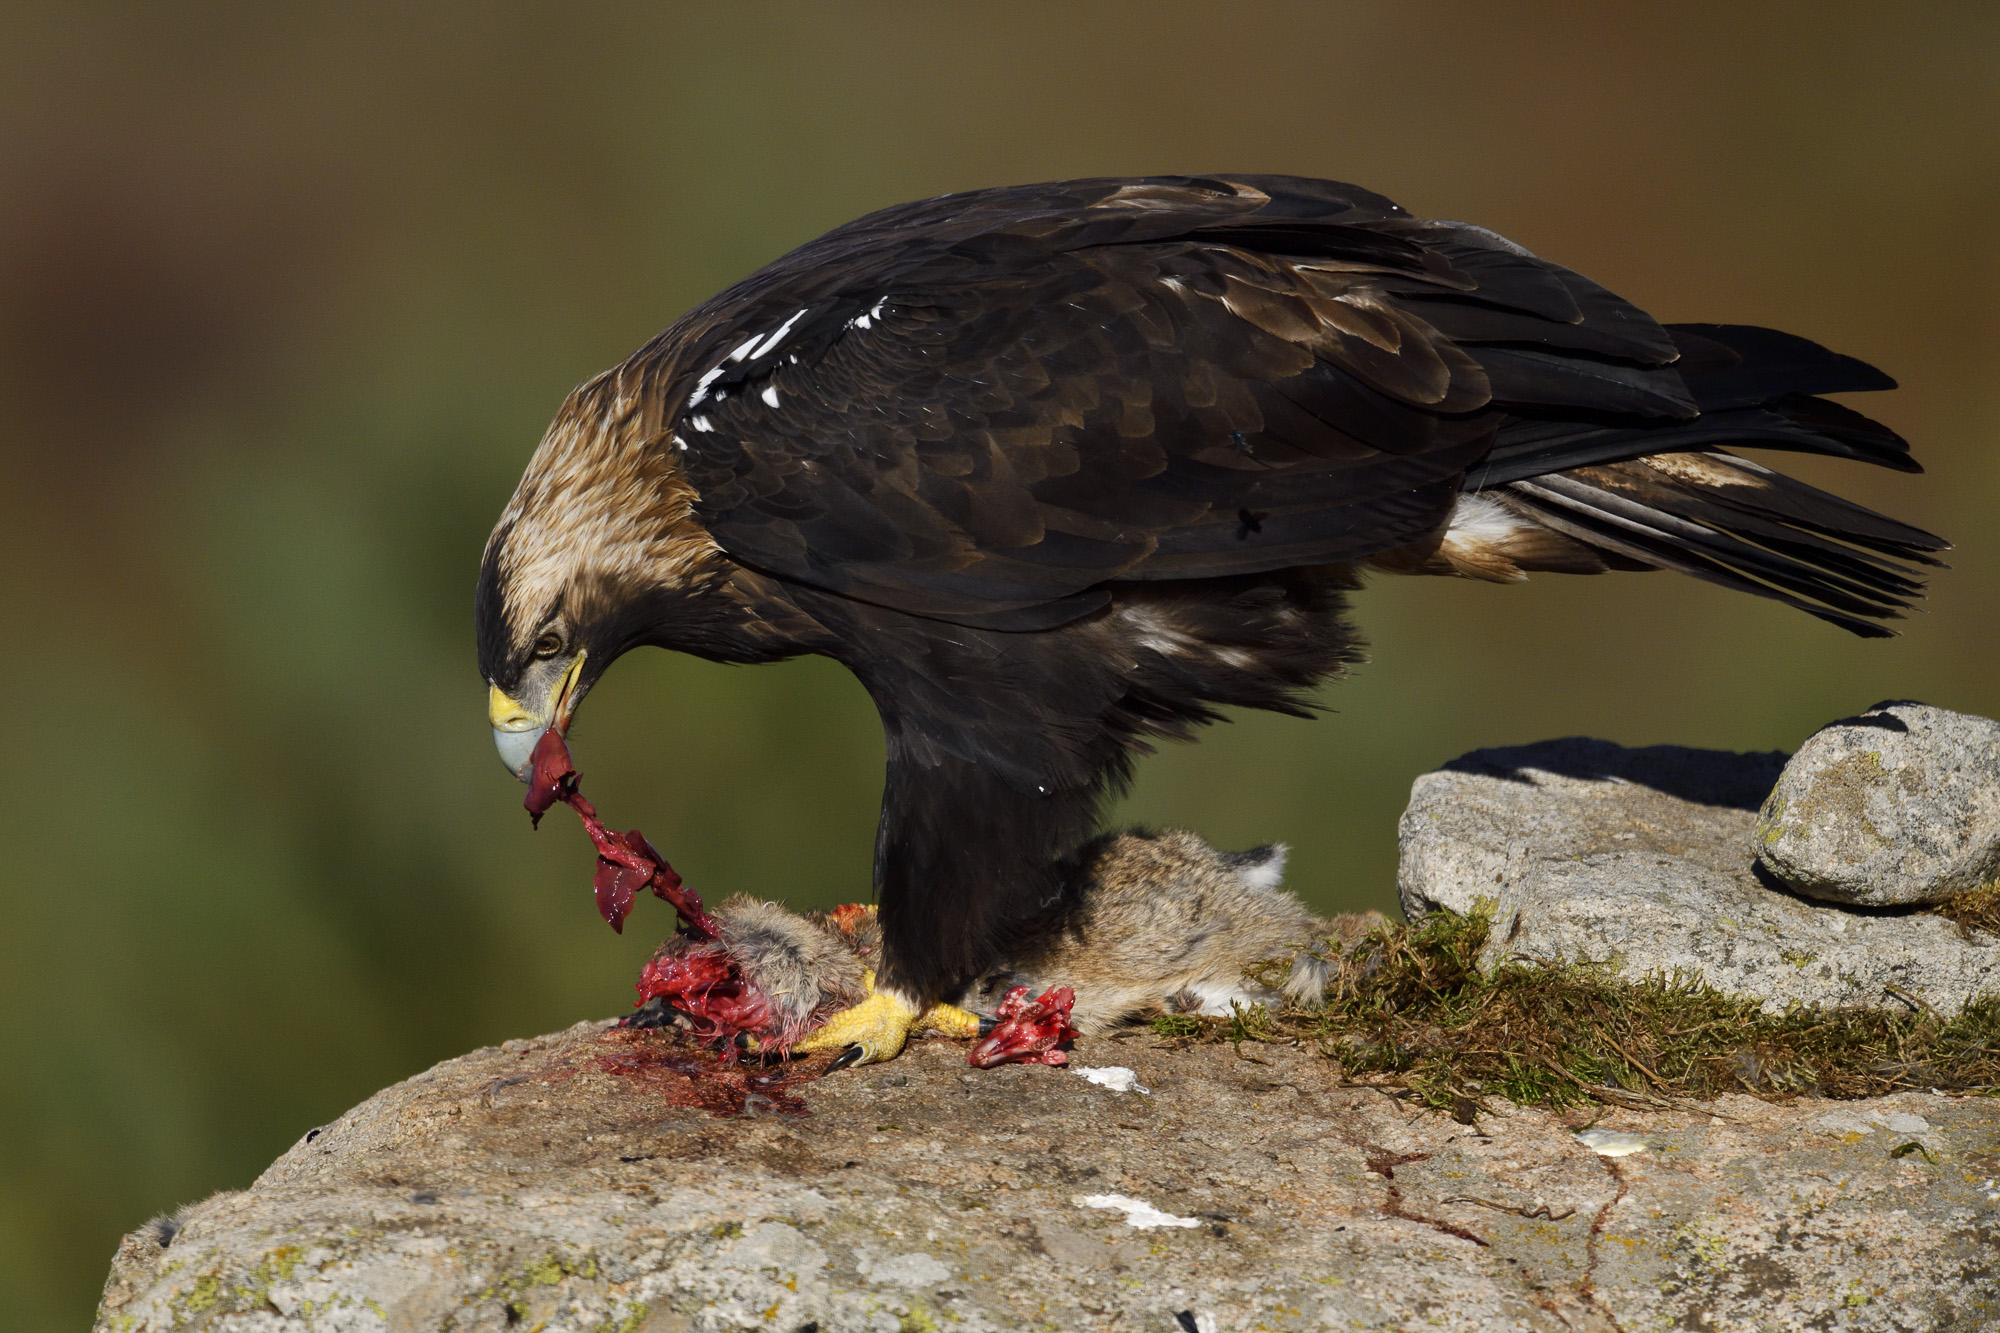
(769, 344)
(701, 386)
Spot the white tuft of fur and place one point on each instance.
(1220, 1001)
(1307, 979)
(1268, 873)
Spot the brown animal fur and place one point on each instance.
(804, 967)
(1156, 923)
(1164, 923)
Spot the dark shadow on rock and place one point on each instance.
(1776, 885)
(1708, 777)
(1878, 716)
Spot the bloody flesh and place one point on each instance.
(702, 982)
(682, 1074)
(626, 862)
(695, 974)
(1029, 1031)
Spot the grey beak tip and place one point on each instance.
(517, 750)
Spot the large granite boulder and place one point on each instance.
(1900, 805)
(1645, 860)
(577, 1182)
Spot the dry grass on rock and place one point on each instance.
(1975, 913)
(1410, 1009)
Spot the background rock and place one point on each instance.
(1642, 858)
(1899, 805)
(528, 1188)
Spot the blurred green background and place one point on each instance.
(287, 294)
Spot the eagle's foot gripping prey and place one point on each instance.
(1162, 923)
(879, 1027)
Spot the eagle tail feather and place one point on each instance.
(1579, 493)
(1729, 521)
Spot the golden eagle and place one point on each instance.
(1058, 469)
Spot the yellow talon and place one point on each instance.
(881, 1025)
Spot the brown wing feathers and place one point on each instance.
(984, 408)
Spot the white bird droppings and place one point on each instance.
(1856, 1122)
(1137, 1211)
(1612, 1142)
(1115, 1077)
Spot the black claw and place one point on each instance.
(654, 1013)
(987, 1024)
(847, 1057)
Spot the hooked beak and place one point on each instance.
(517, 725)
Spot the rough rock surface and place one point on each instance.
(527, 1188)
(1900, 805)
(1642, 858)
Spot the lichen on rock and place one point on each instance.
(1897, 806)
(529, 1189)
(1645, 861)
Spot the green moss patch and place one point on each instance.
(1410, 1009)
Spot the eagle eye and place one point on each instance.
(548, 645)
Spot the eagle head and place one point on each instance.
(598, 542)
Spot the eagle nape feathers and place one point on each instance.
(1056, 470)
